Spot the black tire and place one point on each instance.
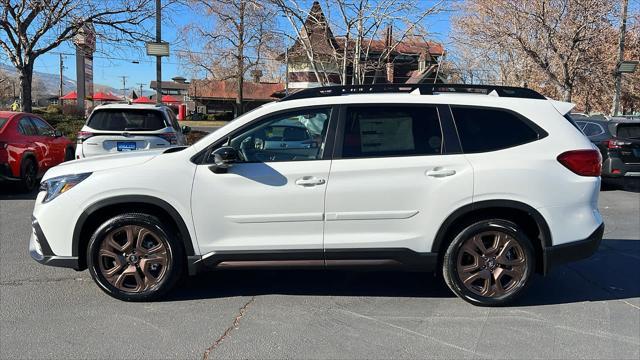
(487, 268)
(28, 175)
(69, 154)
(170, 274)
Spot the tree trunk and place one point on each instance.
(240, 79)
(25, 77)
(567, 94)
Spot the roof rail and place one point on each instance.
(424, 89)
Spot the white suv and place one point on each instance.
(127, 127)
(486, 184)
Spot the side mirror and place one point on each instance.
(57, 133)
(223, 158)
(186, 129)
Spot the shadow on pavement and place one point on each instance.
(9, 191)
(612, 273)
(625, 184)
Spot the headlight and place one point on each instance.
(61, 184)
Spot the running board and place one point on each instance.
(363, 259)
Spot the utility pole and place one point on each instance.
(61, 80)
(124, 86)
(140, 84)
(158, 58)
(618, 75)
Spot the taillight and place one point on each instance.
(582, 162)
(616, 144)
(170, 137)
(83, 135)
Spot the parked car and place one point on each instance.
(619, 142)
(29, 146)
(118, 128)
(486, 187)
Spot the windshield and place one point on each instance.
(629, 131)
(127, 120)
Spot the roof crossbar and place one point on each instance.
(423, 89)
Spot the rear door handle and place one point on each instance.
(440, 172)
(308, 181)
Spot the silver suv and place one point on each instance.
(118, 128)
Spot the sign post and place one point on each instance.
(85, 42)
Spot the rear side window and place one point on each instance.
(483, 129)
(25, 127)
(127, 120)
(629, 131)
(592, 129)
(379, 131)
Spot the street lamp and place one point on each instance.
(627, 67)
(624, 67)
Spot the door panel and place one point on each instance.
(392, 182)
(273, 198)
(377, 203)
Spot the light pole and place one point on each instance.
(158, 58)
(618, 74)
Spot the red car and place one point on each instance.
(29, 146)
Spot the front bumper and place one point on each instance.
(573, 251)
(41, 252)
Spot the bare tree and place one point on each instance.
(235, 35)
(558, 38)
(30, 28)
(361, 22)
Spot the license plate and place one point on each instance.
(126, 145)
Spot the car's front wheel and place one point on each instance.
(135, 257)
(489, 262)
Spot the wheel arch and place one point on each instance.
(531, 221)
(95, 214)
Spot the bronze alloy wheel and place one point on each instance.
(491, 264)
(133, 258)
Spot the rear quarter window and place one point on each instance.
(484, 129)
(127, 120)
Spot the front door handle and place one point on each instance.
(308, 181)
(440, 172)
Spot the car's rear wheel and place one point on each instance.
(28, 175)
(69, 154)
(489, 263)
(135, 257)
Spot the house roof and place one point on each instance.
(218, 89)
(407, 46)
(170, 85)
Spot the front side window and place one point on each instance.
(293, 136)
(127, 120)
(381, 131)
(42, 127)
(484, 129)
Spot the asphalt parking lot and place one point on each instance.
(589, 309)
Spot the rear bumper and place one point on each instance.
(573, 251)
(5, 173)
(614, 167)
(41, 252)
